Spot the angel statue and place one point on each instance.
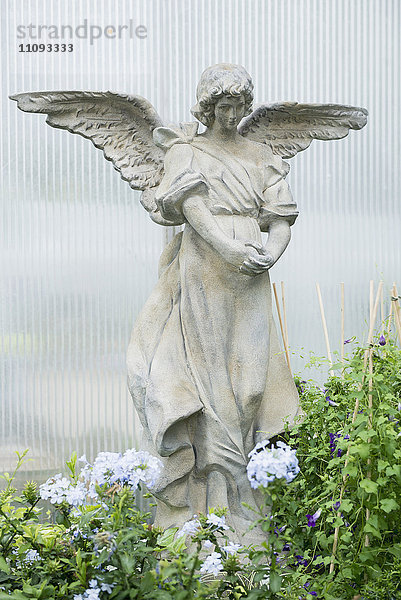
(205, 369)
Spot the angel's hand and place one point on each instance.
(250, 258)
(259, 263)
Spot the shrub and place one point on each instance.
(330, 476)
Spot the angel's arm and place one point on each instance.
(277, 213)
(279, 237)
(248, 257)
(184, 191)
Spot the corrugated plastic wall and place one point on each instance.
(78, 252)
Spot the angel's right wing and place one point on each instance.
(120, 125)
(289, 127)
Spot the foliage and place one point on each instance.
(326, 473)
(350, 479)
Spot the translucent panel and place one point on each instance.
(79, 254)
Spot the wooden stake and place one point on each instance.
(382, 313)
(397, 311)
(390, 315)
(360, 386)
(326, 335)
(370, 404)
(287, 354)
(371, 293)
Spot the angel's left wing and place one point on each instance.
(120, 125)
(289, 127)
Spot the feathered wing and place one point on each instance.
(289, 127)
(120, 125)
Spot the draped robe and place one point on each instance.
(205, 368)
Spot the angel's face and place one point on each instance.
(229, 111)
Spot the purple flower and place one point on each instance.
(307, 584)
(333, 438)
(336, 505)
(348, 341)
(331, 402)
(301, 560)
(313, 518)
(382, 340)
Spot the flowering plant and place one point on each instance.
(268, 464)
(327, 478)
(337, 525)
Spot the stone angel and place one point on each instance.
(205, 369)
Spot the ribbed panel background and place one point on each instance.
(79, 254)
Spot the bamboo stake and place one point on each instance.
(370, 404)
(285, 319)
(370, 400)
(342, 326)
(390, 315)
(382, 313)
(360, 386)
(371, 294)
(326, 335)
(397, 311)
(281, 326)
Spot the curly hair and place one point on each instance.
(217, 81)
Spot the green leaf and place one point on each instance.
(4, 566)
(274, 583)
(346, 506)
(347, 573)
(167, 538)
(182, 595)
(388, 504)
(369, 486)
(351, 470)
(369, 528)
(382, 464)
(147, 582)
(363, 450)
(366, 434)
(394, 470)
(395, 551)
(367, 555)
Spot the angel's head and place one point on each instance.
(218, 81)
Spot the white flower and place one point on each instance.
(92, 593)
(131, 468)
(267, 464)
(231, 549)
(106, 587)
(212, 564)
(111, 568)
(54, 489)
(76, 495)
(59, 489)
(208, 544)
(78, 597)
(213, 519)
(31, 556)
(189, 528)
